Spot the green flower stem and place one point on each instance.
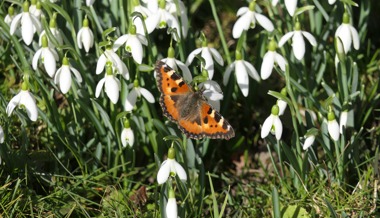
(123, 16)
(220, 31)
(295, 116)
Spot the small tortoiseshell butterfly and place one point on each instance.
(189, 108)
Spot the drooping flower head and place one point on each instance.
(171, 206)
(55, 32)
(24, 98)
(48, 56)
(118, 65)
(242, 69)
(347, 34)
(63, 76)
(127, 137)
(133, 44)
(29, 24)
(270, 58)
(11, 14)
(111, 84)
(247, 19)
(136, 92)
(170, 167)
(272, 124)
(85, 36)
(298, 43)
(332, 125)
(175, 64)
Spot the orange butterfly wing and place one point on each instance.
(194, 116)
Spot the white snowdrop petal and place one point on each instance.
(310, 38)
(285, 38)
(101, 64)
(185, 71)
(147, 95)
(227, 73)
(99, 87)
(120, 41)
(112, 88)
(252, 71)
(291, 6)
(267, 65)
(277, 127)
(298, 45)
(131, 100)
(163, 172)
(30, 105)
(242, 24)
(15, 23)
(65, 79)
(35, 58)
(217, 56)
(264, 22)
(192, 56)
(308, 142)
(242, 11)
(333, 128)
(49, 62)
(27, 29)
(280, 61)
(76, 74)
(137, 49)
(180, 171)
(242, 77)
(267, 126)
(355, 37)
(13, 103)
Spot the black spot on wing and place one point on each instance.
(174, 89)
(209, 111)
(175, 76)
(181, 83)
(205, 120)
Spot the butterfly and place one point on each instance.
(188, 108)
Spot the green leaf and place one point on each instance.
(294, 211)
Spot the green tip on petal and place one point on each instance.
(136, 83)
(135, 3)
(109, 68)
(238, 55)
(162, 4)
(11, 10)
(132, 30)
(171, 193)
(275, 110)
(53, 23)
(284, 92)
(65, 61)
(171, 153)
(126, 123)
(205, 73)
(25, 6)
(171, 52)
(330, 116)
(44, 41)
(252, 5)
(272, 45)
(297, 26)
(346, 18)
(24, 86)
(85, 22)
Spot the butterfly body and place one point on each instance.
(189, 108)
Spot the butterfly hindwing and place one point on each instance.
(194, 116)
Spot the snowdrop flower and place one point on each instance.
(175, 64)
(332, 126)
(308, 141)
(136, 92)
(247, 20)
(242, 70)
(35, 8)
(152, 5)
(138, 21)
(343, 121)
(272, 124)
(171, 206)
(133, 44)
(85, 36)
(347, 34)
(269, 59)
(127, 137)
(29, 24)
(172, 8)
(63, 76)
(1, 136)
(281, 103)
(332, 2)
(11, 14)
(162, 18)
(298, 44)
(89, 2)
(212, 92)
(55, 31)
(25, 98)
(170, 167)
(48, 56)
(207, 54)
(111, 84)
(117, 63)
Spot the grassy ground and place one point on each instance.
(70, 162)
